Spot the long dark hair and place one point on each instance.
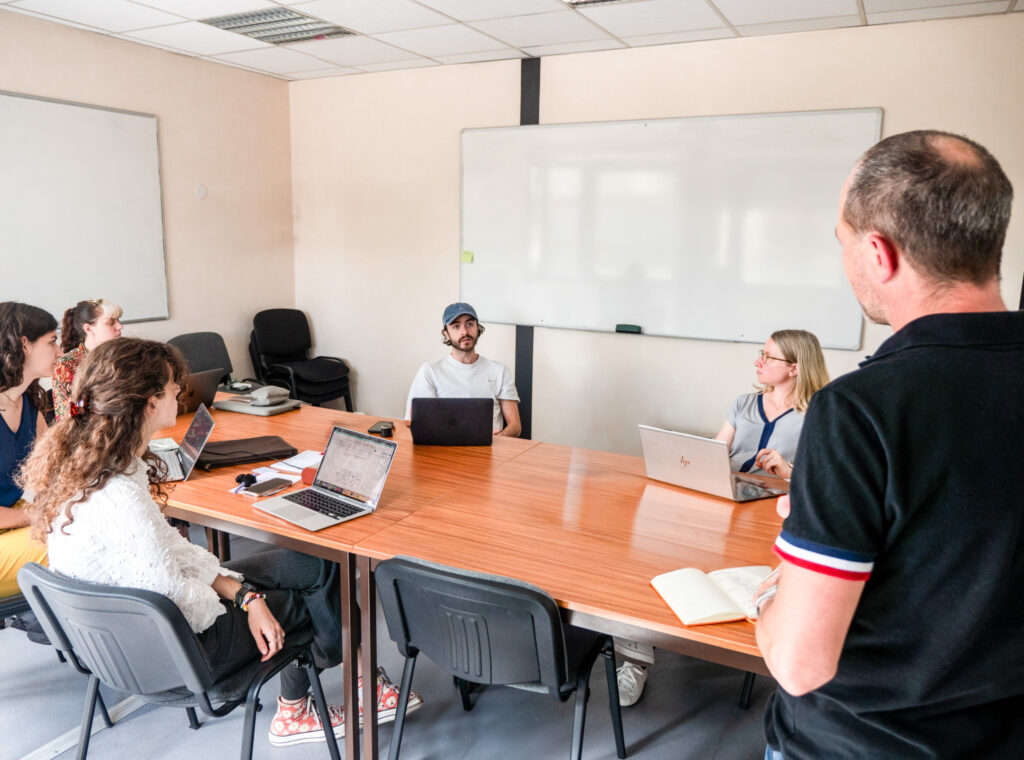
(17, 321)
(78, 455)
(72, 329)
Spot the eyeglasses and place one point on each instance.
(765, 358)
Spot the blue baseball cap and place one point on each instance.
(456, 310)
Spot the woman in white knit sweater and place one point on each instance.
(98, 498)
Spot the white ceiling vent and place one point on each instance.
(278, 26)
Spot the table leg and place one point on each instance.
(350, 653)
(368, 598)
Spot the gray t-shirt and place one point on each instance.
(754, 432)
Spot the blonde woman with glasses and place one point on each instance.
(762, 428)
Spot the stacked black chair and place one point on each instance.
(138, 642)
(204, 351)
(486, 629)
(279, 345)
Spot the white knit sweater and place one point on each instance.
(119, 537)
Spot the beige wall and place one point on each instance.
(229, 255)
(376, 198)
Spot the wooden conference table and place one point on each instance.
(586, 526)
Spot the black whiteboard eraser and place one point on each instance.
(634, 329)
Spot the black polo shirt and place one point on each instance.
(910, 475)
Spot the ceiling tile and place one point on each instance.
(492, 55)
(668, 39)
(803, 25)
(760, 12)
(653, 17)
(275, 60)
(946, 11)
(109, 15)
(477, 10)
(574, 47)
(194, 37)
(374, 16)
(419, 63)
(353, 51)
(322, 73)
(541, 29)
(441, 40)
(880, 6)
(196, 9)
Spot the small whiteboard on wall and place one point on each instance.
(713, 227)
(80, 207)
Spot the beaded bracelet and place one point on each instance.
(251, 597)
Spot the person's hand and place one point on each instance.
(782, 506)
(265, 629)
(772, 462)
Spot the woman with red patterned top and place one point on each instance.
(86, 325)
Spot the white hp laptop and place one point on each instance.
(182, 460)
(348, 483)
(701, 464)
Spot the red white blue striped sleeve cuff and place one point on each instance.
(823, 559)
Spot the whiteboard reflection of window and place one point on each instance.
(633, 222)
(558, 221)
(780, 250)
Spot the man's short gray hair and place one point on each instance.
(942, 198)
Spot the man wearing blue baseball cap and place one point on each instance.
(466, 374)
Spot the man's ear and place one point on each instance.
(885, 257)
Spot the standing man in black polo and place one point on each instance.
(896, 629)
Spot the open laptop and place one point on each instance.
(348, 483)
(200, 388)
(182, 460)
(701, 464)
(452, 421)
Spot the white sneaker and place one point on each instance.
(631, 680)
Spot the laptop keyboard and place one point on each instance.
(173, 465)
(325, 505)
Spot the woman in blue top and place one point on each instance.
(28, 352)
(763, 428)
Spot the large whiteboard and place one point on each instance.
(80, 210)
(712, 227)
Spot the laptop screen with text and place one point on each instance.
(355, 465)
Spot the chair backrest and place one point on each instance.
(282, 334)
(133, 640)
(203, 351)
(481, 628)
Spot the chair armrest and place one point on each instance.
(289, 376)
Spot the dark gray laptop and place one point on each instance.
(182, 460)
(452, 421)
(348, 482)
(200, 388)
(702, 464)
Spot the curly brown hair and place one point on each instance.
(17, 321)
(78, 455)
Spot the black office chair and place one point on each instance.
(486, 629)
(11, 607)
(279, 346)
(204, 351)
(138, 642)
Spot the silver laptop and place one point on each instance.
(701, 464)
(348, 482)
(182, 460)
(200, 388)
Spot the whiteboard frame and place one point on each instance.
(164, 292)
(857, 341)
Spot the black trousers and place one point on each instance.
(301, 591)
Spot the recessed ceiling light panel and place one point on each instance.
(278, 26)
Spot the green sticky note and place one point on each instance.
(467, 257)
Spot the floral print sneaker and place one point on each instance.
(298, 723)
(387, 698)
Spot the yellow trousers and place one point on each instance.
(17, 548)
